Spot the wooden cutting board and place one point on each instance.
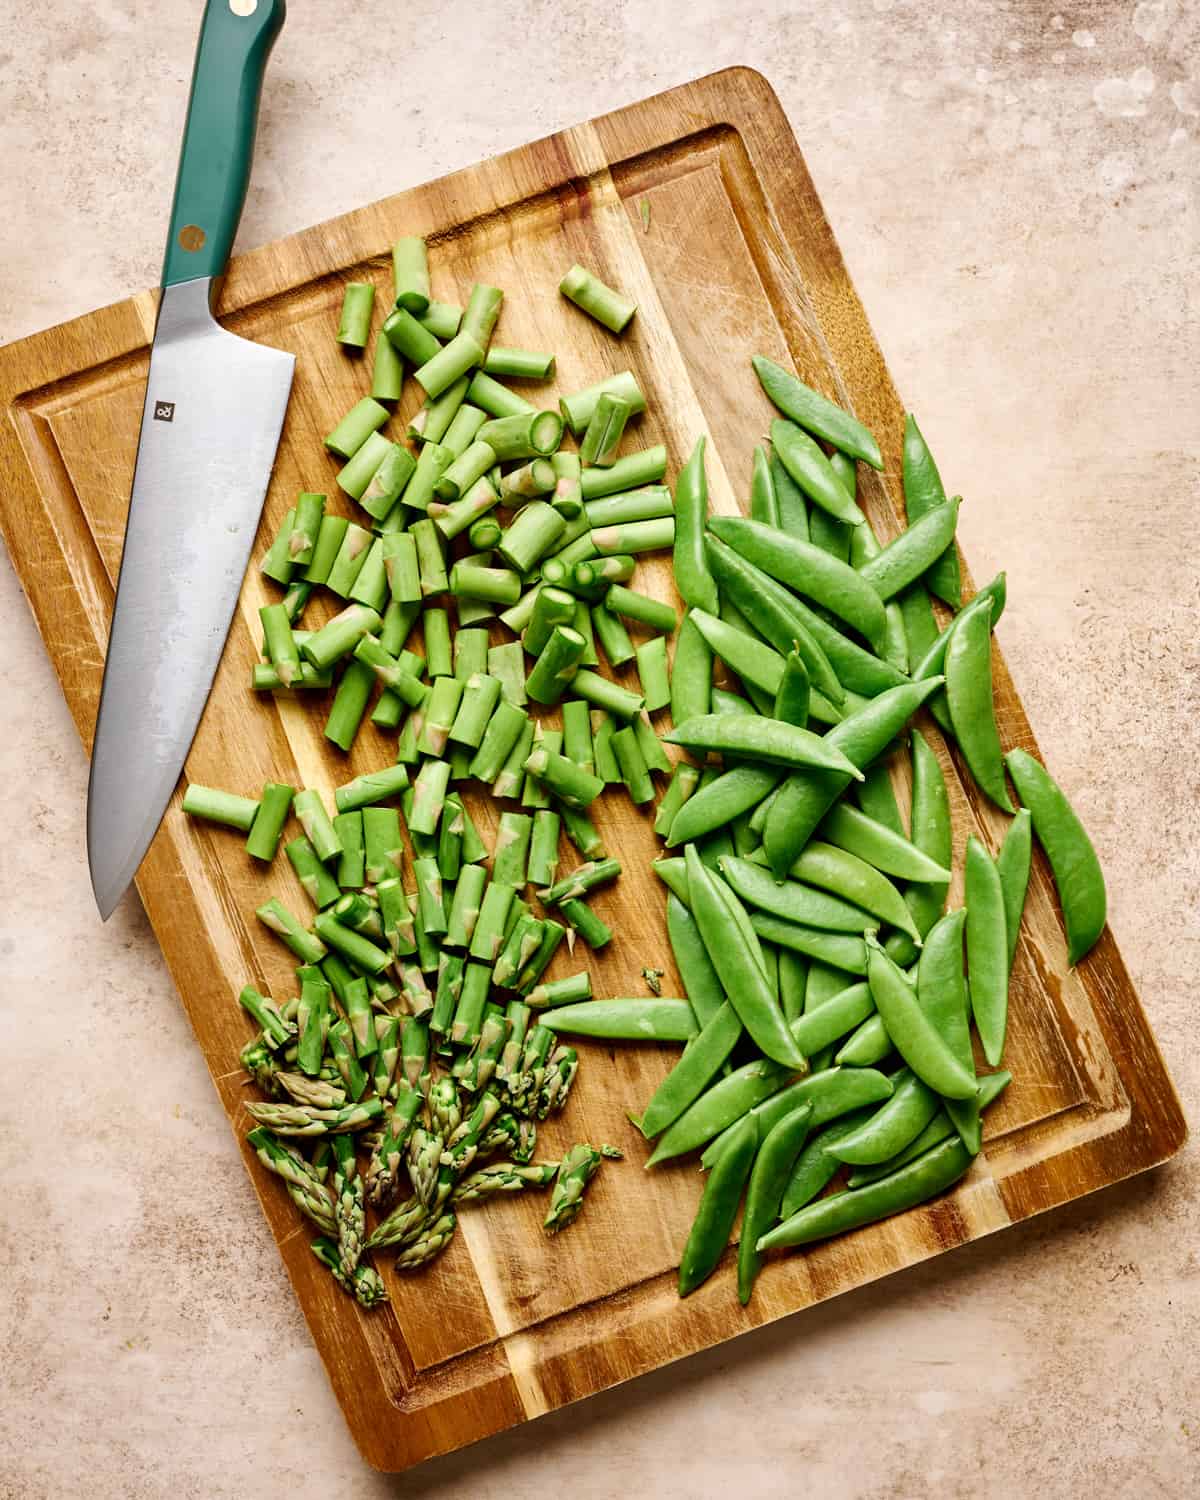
(737, 258)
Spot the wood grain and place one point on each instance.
(738, 259)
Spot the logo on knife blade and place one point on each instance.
(164, 411)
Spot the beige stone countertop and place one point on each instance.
(1013, 183)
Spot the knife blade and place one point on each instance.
(211, 424)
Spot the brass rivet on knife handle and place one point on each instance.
(243, 7)
(191, 236)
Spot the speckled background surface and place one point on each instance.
(1014, 188)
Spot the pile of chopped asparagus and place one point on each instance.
(415, 1042)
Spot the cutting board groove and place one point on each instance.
(738, 259)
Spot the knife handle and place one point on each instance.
(236, 37)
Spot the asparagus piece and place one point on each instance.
(404, 1221)
(302, 1120)
(429, 1243)
(503, 1177)
(363, 1283)
(310, 1196)
(575, 1171)
(349, 1199)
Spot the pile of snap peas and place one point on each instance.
(830, 995)
(826, 1018)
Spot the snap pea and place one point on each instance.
(673, 874)
(789, 497)
(700, 981)
(916, 1038)
(942, 995)
(1077, 873)
(905, 559)
(899, 1120)
(808, 795)
(869, 1044)
(702, 1060)
(808, 570)
(832, 1092)
(734, 792)
(972, 709)
(877, 797)
(625, 1020)
(892, 854)
(762, 739)
(1013, 863)
(794, 901)
(769, 1176)
(793, 696)
(764, 504)
(718, 1209)
(856, 881)
(717, 1108)
(806, 462)
(758, 665)
(923, 490)
(837, 949)
(793, 983)
(920, 1180)
(932, 659)
(816, 1165)
(691, 673)
(692, 578)
(783, 620)
(737, 957)
(932, 834)
(939, 1129)
(812, 411)
(824, 1024)
(987, 949)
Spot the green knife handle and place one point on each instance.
(236, 37)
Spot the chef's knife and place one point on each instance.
(210, 427)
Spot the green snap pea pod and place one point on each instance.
(923, 491)
(737, 966)
(816, 1166)
(793, 508)
(916, 1038)
(933, 659)
(806, 462)
(972, 709)
(905, 559)
(625, 1020)
(899, 1120)
(702, 1060)
(673, 874)
(784, 621)
(869, 1044)
(1077, 873)
(807, 796)
(722, 1106)
(987, 949)
(839, 950)
(764, 504)
(722, 800)
(832, 1092)
(768, 740)
(824, 1024)
(700, 981)
(808, 570)
(877, 797)
(793, 901)
(692, 578)
(931, 833)
(1013, 864)
(757, 664)
(718, 1209)
(769, 1176)
(942, 995)
(920, 1180)
(815, 413)
(849, 829)
(939, 1129)
(684, 779)
(793, 983)
(793, 696)
(856, 881)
